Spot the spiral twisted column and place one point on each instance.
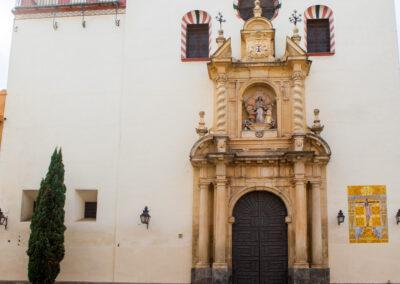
(298, 103)
(221, 105)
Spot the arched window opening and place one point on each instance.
(245, 8)
(196, 36)
(319, 30)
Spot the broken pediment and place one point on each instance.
(224, 51)
(293, 49)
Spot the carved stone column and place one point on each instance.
(221, 104)
(300, 273)
(202, 272)
(220, 267)
(317, 258)
(204, 230)
(298, 103)
(301, 223)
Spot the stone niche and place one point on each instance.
(259, 112)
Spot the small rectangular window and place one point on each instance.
(90, 210)
(28, 204)
(318, 36)
(86, 205)
(197, 41)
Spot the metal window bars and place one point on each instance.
(60, 3)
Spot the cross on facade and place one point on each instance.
(220, 19)
(295, 18)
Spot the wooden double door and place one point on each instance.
(260, 240)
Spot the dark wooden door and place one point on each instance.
(259, 240)
(318, 36)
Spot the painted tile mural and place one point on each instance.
(368, 214)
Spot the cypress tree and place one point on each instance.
(46, 242)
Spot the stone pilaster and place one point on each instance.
(220, 267)
(301, 260)
(317, 257)
(204, 228)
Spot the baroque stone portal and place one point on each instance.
(259, 142)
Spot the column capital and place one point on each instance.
(221, 78)
(298, 76)
(221, 181)
(315, 182)
(204, 183)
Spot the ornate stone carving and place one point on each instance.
(202, 130)
(260, 110)
(221, 144)
(317, 127)
(257, 9)
(258, 49)
(259, 133)
(298, 103)
(222, 93)
(298, 75)
(284, 92)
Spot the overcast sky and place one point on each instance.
(6, 23)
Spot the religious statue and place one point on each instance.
(259, 109)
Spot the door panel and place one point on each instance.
(259, 240)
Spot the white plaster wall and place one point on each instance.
(64, 91)
(357, 91)
(124, 108)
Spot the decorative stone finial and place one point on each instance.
(220, 39)
(257, 9)
(202, 130)
(294, 19)
(317, 128)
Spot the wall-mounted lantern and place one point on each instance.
(398, 217)
(3, 219)
(145, 217)
(340, 217)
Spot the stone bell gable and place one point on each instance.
(259, 141)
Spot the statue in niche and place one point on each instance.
(259, 110)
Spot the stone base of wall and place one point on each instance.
(220, 276)
(201, 275)
(309, 276)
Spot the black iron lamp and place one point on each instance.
(340, 217)
(145, 217)
(3, 219)
(398, 217)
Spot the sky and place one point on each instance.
(6, 23)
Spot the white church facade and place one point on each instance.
(260, 136)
